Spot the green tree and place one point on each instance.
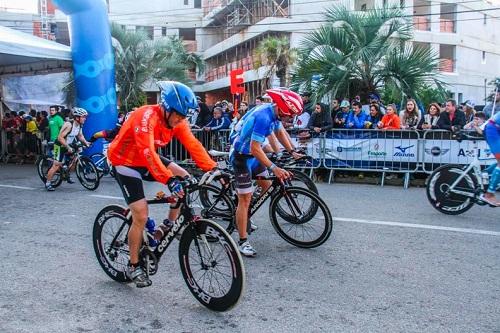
(138, 59)
(275, 52)
(361, 52)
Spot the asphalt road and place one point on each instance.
(393, 264)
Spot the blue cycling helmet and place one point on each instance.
(177, 97)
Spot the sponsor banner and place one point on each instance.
(377, 149)
(454, 152)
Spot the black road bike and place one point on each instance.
(209, 259)
(284, 160)
(298, 215)
(86, 171)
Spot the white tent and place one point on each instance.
(24, 53)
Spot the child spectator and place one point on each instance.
(477, 122)
(218, 122)
(390, 121)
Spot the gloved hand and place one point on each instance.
(175, 187)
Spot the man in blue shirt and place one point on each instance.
(248, 157)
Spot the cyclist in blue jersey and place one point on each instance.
(248, 157)
(492, 135)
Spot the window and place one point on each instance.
(363, 7)
(148, 30)
(460, 98)
(402, 4)
(197, 3)
(187, 33)
(163, 31)
(483, 59)
(485, 19)
(186, 2)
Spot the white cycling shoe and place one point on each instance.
(247, 250)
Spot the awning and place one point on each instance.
(24, 53)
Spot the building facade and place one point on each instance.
(464, 34)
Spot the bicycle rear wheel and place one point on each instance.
(87, 173)
(290, 215)
(217, 206)
(442, 198)
(213, 269)
(109, 237)
(101, 163)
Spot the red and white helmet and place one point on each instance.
(288, 102)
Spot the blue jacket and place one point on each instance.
(217, 124)
(358, 121)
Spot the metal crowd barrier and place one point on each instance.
(217, 140)
(404, 151)
(439, 148)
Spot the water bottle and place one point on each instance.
(150, 227)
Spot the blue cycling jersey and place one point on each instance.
(255, 125)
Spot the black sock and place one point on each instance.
(242, 240)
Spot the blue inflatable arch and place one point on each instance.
(93, 61)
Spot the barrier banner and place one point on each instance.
(454, 152)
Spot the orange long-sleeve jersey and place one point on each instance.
(143, 132)
(391, 122)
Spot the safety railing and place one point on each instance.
(371, 150)
(439, 148)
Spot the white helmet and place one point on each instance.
(470, 103)
(80, 112)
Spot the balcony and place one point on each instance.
(447, 54)
(422, 23)
(447, 25)
(447, 65)
(221, 72)
(448, 18)
(190, 46)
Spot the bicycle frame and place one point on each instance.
(474, 166)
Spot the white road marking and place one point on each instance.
(420, 226)
(105, 196)
(18, 187)
(7, 223)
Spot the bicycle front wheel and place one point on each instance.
(87, 173)
(211, 265)
(292, 218)
(442, 197)
(301, 179)
(111, 243)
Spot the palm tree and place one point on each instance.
(138, 60)
(276, 53)
(357, 53)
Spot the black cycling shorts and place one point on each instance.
(130, 180)
(244, 166)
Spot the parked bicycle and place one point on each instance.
(209, 259)
(298, 215)
(86, 171)
(454, 189)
